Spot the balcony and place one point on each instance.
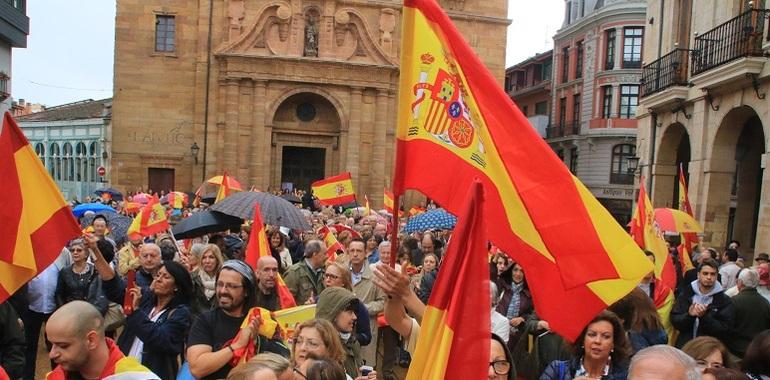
(569, 128)
(735, 47)
(668, 71)
(622, 178)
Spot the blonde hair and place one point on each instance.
(268, 360)
(213, 248)
(347, 279)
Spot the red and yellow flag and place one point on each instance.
(35, 221)
(366, 206)
(456, 123)
(649, 236)
(226, 187)
(332, 245)
(177, 199)
(450, 346)
(150, 220)
(414, 211)
(335, 190)
(258, 247)
(689, 239)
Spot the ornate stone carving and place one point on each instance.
(387, 26)
(311, 33)
(235, 12)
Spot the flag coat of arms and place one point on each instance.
(335, 190)
(456, 123)
(150, 220)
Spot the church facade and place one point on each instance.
(276, 93)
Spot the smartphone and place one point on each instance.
(365, 370)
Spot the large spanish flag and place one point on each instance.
(335, 190)
(258, 247)
(150, 220)
(456, 123)
(35, 221)
(648, 236)
(451, 346)
(689, 239)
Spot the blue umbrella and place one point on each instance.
(81, 209)
(437, 219)
(116, 195)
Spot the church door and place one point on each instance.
(301, 166)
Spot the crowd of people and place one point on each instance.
(155, 308)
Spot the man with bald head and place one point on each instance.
(662, 362)
(267, 275)
(80, 350)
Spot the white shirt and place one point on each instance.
(41, 290)
(138, 346)
(411, 340)
(729, 272)
(500, 325)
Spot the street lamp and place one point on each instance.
(633, 164)
(194, 151)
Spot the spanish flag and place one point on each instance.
(414, 211)
(258, 247)
(36, 221)
(450, 346)
(332, 245)
(177, 199)
(335, 190)
(227, 186)
(150, 220)
(387, 201)
(456, 123)
(689, 239)
(648, 236)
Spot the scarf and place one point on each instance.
(513, 307)
(703, 299)
(209, 285)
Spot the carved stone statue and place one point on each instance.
(311, 36)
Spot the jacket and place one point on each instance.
(752, 316)
(566, 369)
(716, 322)
(302, 282)
(11, 342)
(164, 339)
(70, 288)
(331, 302)
(199, 303)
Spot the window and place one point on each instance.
(564, 64)
(562, 112)
(582, 8)
(547, 70)
(629, 99)
(569, 12)
(508, 86)
(560, 154)
(541, 108)
(609, 54)
(632, 47)
(573, 160)
(575, 111)
(606, 102)
(165, 31)
(579, 60)
(620, 155)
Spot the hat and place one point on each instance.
(764, 274)
(763, 256)
(242, 268)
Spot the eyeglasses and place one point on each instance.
(329, 276)
(311, 344)
(296, 370)
(501, 367)
(228, 286)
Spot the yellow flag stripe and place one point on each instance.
(433, 347)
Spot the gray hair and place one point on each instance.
(494, 293)
(666, 353)
(312, 247)
(197, 250)
(152, 246)
(749, 278)
(384, 243)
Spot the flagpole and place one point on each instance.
(394, 234)
(176, 244)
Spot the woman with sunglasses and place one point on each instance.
(338, 275)
(80, 281)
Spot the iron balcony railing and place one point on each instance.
(670, 70)
(567, 129)
(736, 38)
(622, 178)
(553, 131)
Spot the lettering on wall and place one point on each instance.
(157, 137)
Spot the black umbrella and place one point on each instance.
(116, 195)
(118, 225)
(209, 198)
(291, 198)
(275, 210)
(201, 223)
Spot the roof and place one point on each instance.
(84, 109)
(540, 57)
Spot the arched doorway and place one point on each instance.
(306, 134)
(734, 179)
(674, 151)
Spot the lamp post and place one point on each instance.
(194, 149)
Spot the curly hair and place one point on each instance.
(621, 347)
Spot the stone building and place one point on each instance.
(14, 28)
(704, 106)
(273, 92)
(70, 140)
(528, 83)
(597, 60)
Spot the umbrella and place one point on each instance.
(82, 208)
(291, 198)
(673, 220)
(201, 223)
(232, 182)
(171, 198)
(142, 198)
(114, 194)
(209, 198)
(433, 219)
(118, 225)
(275, 210)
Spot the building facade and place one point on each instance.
(14, 28)
(71, 141)
(597, 60)
(704, 108)
(276, 93)
(528, 83)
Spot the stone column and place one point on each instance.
(354, 135)
(762, 243)
(245, 123)
(219, 145)
(257, 141)
(231, 127)
(379, 147)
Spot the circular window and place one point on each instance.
(306, 112)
